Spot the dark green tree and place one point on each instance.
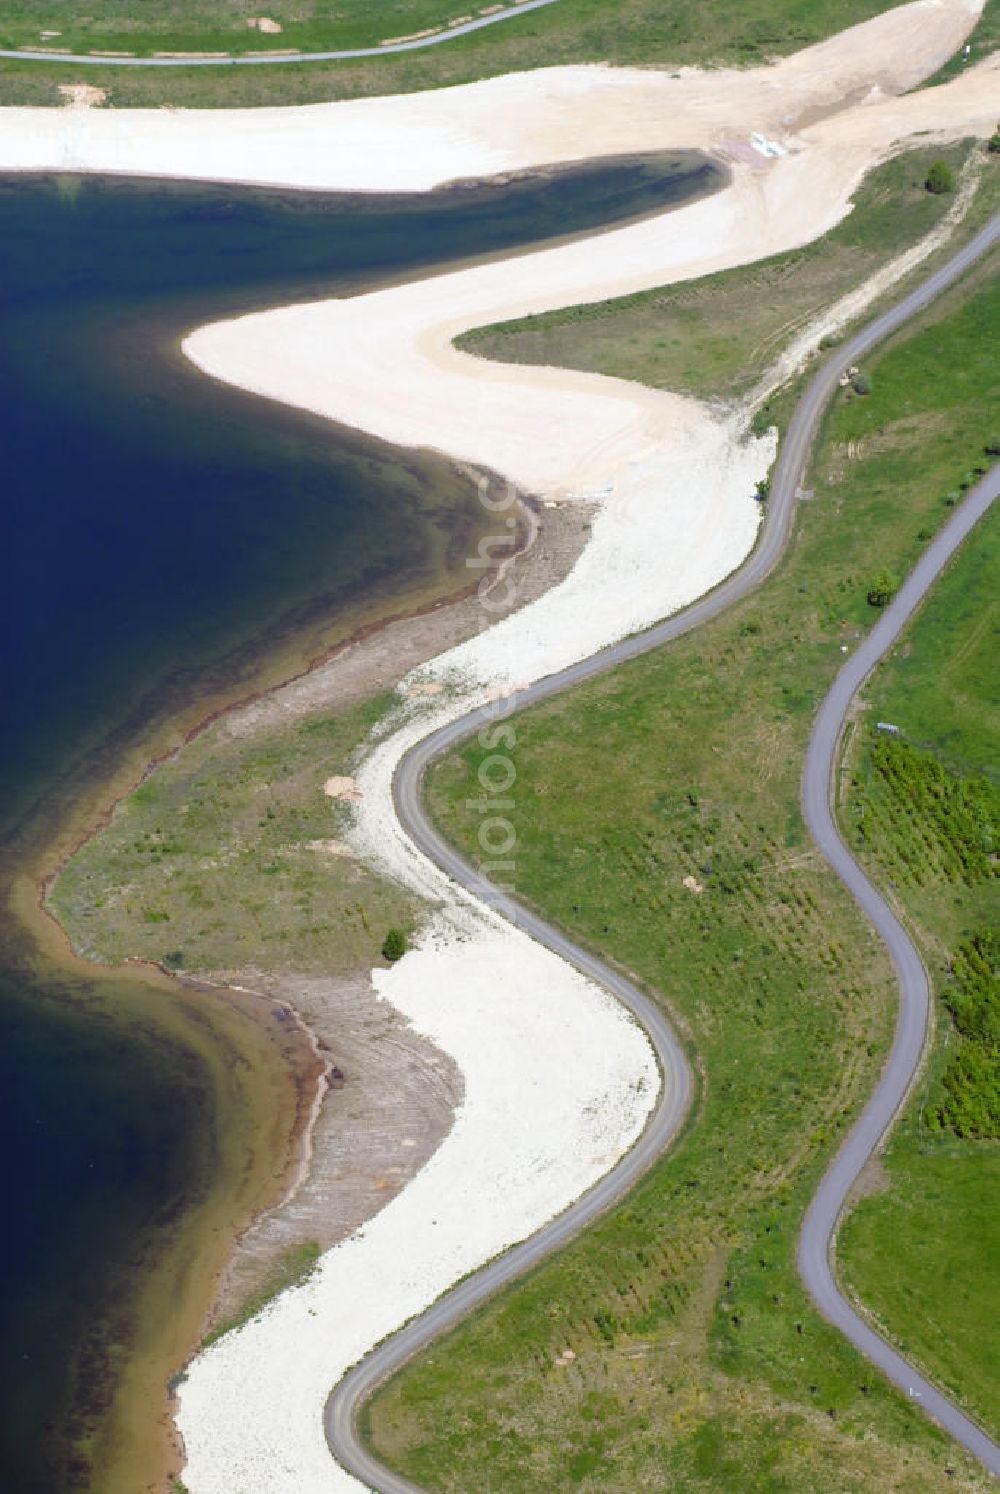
(884, 586)
(940, 178)
(394, 946)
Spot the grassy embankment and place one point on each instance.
(227, 859)
(715, 336)
(922, 1252)
(699, 1363)
(643, 32)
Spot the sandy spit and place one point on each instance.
(558, 1081)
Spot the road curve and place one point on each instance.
(818, 792)
(341, 1412)
(260, 59)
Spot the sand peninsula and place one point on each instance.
(557, 1081)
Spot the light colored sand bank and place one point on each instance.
(557, 1084)
(414, 142)
(558, 1081)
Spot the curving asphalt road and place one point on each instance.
(818, 794)
(340, 1417)
(252, 59)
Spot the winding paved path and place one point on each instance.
(818, 788)
(259, 59)
(821, 1219)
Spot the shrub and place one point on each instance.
(992, 447)
(970, 1102)
(883, 588)
(861, 383)
(394, 946)
(994, 143)
(941, 827)
(940, 178)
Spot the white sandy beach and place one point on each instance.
(558, 1080)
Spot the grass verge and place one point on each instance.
(657, 814)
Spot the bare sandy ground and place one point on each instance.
(415, 142)
(390, 1098)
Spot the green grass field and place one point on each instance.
(715, 336)
(223, 861)
(699, 1363)
(642, 32)
(924, 1251)
(219, 25)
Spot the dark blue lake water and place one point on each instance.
(158, 531)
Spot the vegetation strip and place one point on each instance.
(671, 33)
(254, 59)
(346, 1399)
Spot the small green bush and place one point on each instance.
(940, 178)
(861, 383)
(394, 946)
(992, 447)
(883, 588)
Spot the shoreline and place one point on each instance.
(235, 1033)
(35, 888)
(124, 788)
(347, 674)
(554, 432)
(534, 171)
